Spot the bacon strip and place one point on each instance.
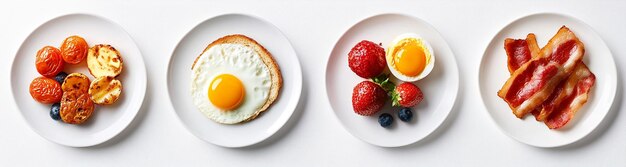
(544, 110)
(575, 94)
(520, 51)
(532, 83)
(567, 98)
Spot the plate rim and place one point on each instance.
(526, 16)
(291, 107)
(143, 82)
(456, 82)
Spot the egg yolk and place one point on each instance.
(410, 59)
(226, 92)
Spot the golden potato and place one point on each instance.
(104, 60)
(105, 90)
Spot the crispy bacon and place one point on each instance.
(533, 82)
(520, 51)
(575, 94)
(553, 100)
(568, 96)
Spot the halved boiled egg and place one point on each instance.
(410, 58)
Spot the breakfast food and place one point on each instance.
(105, 90)
(581, 79)
(410, 58)
(563, 103)
(367, 59)
(405, 114)
(520, 51)
(76, 81)
(234, 80)
(48, 61)
(385, 120)
(45, 90)
(534, 81)
(406, 95)
(574, 94)
(74, 49)
(73, 96)
(104, 60)
(570, 92)
(55, 111)
(60, 77)
(76, 107)
(368, 98)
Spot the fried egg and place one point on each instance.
(230, 83)
(410, 58)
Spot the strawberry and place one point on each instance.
(367, 59)
(368, 98)
(406, 95)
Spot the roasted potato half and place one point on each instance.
(75, 81)
(104, 60)
(105, 90)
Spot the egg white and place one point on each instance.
(391, 64)
(244, 63)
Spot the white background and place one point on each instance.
(313, 136)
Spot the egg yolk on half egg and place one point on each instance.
(410, 57)
(226, 92)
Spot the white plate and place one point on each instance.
(493, 73)
(192, 45)
(440, 87)
(106, 121)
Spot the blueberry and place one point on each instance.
(54, 111)
(385, 120)
(405, 114)
(60, 77)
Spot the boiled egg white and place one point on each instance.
(410, 57)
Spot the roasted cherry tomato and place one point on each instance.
(74, 49)
(49, 62)
(76, 107)
(45, 90)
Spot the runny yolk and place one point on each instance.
(226, 92)
(410, 59)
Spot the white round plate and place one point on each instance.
(107, 120)
(192, 45)
(440, 87)
(493, 73)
